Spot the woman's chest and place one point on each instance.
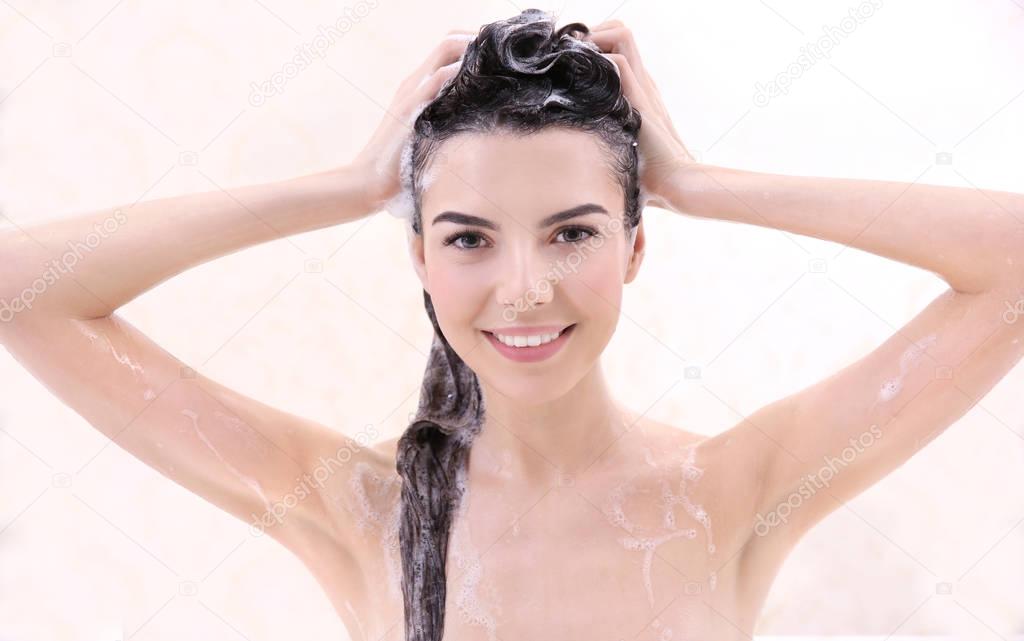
(639, 555)
(630, 561)
(571, 568)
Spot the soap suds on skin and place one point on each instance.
(664, 632)
(359, 623)
(649, 458)
(467, 558)
(370, 520)
(461, 551)
(250, 438)
(251, 482)
(649, 543)
(910, 358)
(121, 358)
(124, 359)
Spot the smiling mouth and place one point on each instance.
(530, 353)
(516, 339)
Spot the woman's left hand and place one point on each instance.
(660, 146)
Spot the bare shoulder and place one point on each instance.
(739, 458)
(714, 472)
(355, 480)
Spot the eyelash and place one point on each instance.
(456, 236)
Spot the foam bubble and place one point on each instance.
(369, 519)
(467, 558)
(557, 97)
(401, 205)
(648, 543)
(910, 357)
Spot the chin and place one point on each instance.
(530, 391)
(530, 384)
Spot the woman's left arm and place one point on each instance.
(929, 373)
(867, 419)
(972, 239)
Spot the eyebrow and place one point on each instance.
(467, 219)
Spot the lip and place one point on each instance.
(531, 354)
(529, 331)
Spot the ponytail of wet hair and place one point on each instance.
(517, 76)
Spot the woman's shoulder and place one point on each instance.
(703, 468)
(658, 442)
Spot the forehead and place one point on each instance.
(523, 175)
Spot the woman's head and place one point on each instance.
(534, 125)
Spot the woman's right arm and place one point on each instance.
(256, 462)
(136, 247)
(242, 455)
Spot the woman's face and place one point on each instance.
(486, 241)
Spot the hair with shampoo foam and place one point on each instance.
(517, 76)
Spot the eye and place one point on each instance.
(471, 239)
(590, 233)
(454, 238)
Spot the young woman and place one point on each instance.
(567, 516)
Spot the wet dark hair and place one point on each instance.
(518, 76)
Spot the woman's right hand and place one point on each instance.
(380, 160)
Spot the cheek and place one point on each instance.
(458, 293)
(598, 280)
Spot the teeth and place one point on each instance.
(528, 341)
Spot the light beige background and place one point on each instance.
(105, 103)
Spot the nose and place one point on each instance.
(524, 281)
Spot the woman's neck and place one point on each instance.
(536, 443)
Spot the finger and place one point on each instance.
(615, 37)
(450, 49)
(410, 101)
(631, 85)
(620, 40)
(432, 84)
(607, 24)
(638, 97)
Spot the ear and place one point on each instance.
(636, 255)
(417, 255)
